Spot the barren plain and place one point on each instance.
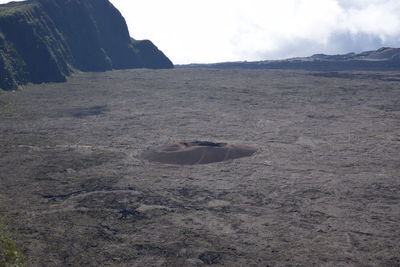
(323, 188)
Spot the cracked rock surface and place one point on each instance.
(321, 190)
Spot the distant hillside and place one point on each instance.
(382, 59)
(46, 40)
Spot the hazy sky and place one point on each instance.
(229, 30)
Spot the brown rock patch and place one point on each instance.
(197, 152)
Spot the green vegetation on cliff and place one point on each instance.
(15, 7)
(46, 40)
(10, 255)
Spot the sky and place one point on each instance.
(206, 31)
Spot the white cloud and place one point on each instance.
(6, 1)
(226, 30)
(376, 19)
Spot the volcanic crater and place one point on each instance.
(197, 152)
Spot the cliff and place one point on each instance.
(46, 40)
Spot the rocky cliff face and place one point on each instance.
(45, 40)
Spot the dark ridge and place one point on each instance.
(383, 59)
(46, 40)
(205, 143)
(90, 111)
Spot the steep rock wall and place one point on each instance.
(45, 40)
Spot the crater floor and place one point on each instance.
(321, 190)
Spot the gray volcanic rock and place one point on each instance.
(45, 40)
(321, 190)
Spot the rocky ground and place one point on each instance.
(322, 190)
